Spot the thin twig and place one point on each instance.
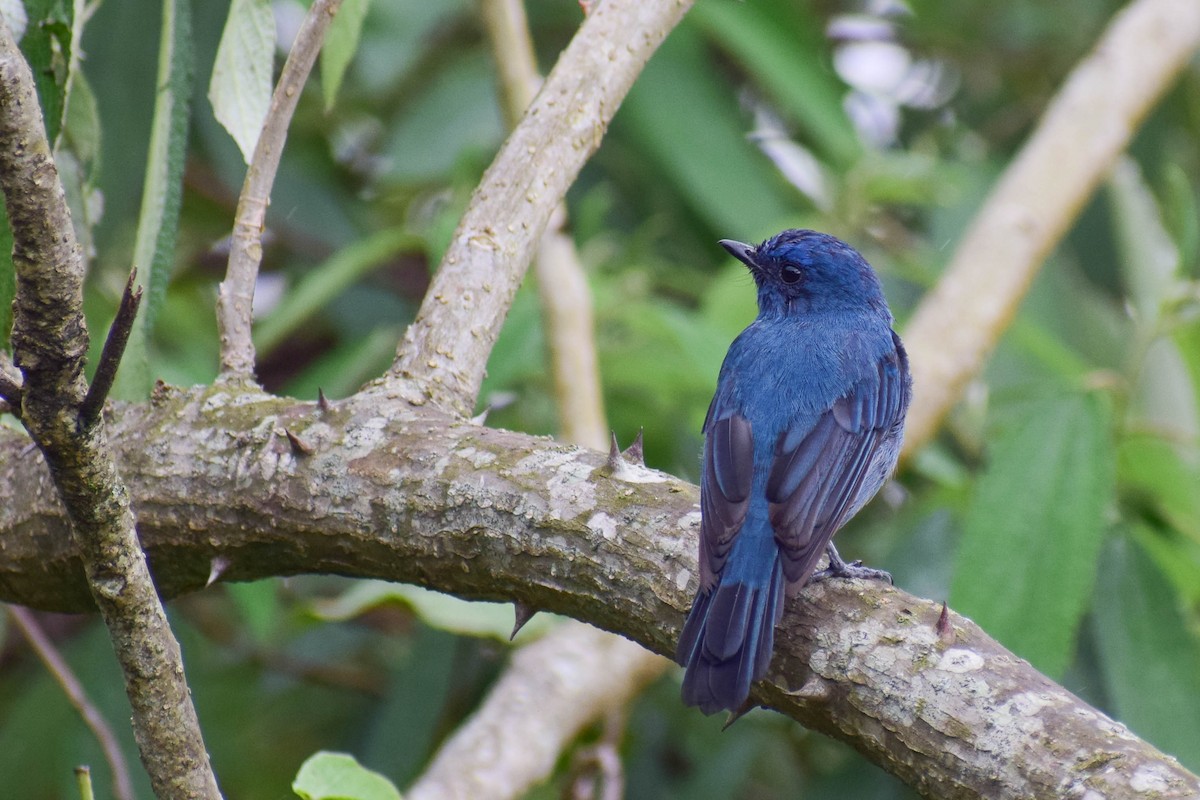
(50, 342)
(110, 356)
(122, 785)
(1088, 124)
(445, 350)
(235, 299)
(83, 781)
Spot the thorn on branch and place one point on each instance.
(299, 446)
(110, 356)
(522, 614)
(217, 568)
(322, 401)
(636, 452)
(734, 716)
(945, 630)
(626, 466)
(481, 417)
(615, 461)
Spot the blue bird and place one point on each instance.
(804, 428)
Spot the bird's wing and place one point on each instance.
(820, 472)
(728, 473)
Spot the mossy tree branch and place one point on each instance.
(401, 493)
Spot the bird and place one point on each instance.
(804, 428)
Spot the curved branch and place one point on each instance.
(1090, 122)
(445, 350)
(402, 493)
(555, 686)
(235, 297)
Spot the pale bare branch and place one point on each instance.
(1088, 124)
(445, 350)
(555, 686)
(497, 753)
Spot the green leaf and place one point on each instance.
(1148, 656)
(240, 89)
(1177, 558)
(78, 158)
(1180, 213)
(81, 125)
(47, 46)
(800, 81)
(1034, 528)
(1163, 393)
(407, 721)
(1154, 469)
(162, 191)
(337, 776)
(341, 43)
(330, 279)
(1048, 349)
(1187, 341)
(441, 611)
(1148, 256)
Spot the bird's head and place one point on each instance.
(806, 271)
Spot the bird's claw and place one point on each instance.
(854, 569)
(840, 569)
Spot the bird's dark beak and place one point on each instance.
(742, 252)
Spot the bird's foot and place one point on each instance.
(840, 569)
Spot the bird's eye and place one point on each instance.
(790, 273)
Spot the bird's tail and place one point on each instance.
(728, 639)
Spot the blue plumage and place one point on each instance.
(804, 428)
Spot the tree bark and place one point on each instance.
(392, 491)
(50, 341)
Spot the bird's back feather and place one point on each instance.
(803, 429)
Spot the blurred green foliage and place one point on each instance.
(1060, 507)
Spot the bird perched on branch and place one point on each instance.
(804, 428)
